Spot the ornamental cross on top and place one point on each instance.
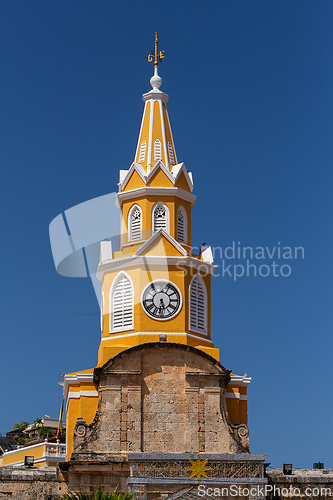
(157, 57)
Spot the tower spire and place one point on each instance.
(155, 138)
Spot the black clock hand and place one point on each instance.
(162, 307)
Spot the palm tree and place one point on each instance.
(45, 432)
(38, 422)
(20, 426)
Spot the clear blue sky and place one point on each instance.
(250, 85)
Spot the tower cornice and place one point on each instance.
(156, 95)
(161, 192)
(150, 261)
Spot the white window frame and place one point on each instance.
(102, 311)
(112, 290)
(159, 144)
(171, 153)
(198, 277)
(183, 211)
(167, 213)
(129, 222)
(142, 152)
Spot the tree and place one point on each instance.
(45, 432)
(20, 426)
(38, 422)
(23, 440)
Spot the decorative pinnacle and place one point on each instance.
(156, 56)
(156, 80)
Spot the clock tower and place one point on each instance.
(155, 285)
(158, 387)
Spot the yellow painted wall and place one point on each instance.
(18, 456)
(84, 407)
(237, 408)
(182, 183)
(146, 204)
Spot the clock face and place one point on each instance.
(161, 300)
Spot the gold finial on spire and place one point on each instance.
(155, 55)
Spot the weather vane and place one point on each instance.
(157, 57)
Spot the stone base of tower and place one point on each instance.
(166, 476)
(160, 405)
(155, 477)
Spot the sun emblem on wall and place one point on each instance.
(198, 468)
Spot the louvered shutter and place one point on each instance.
(122, 305)
(171, 155)
(180, 225)
(198, 305)
(160, 218)
(135, 224)
(142, 154)
(157, 150)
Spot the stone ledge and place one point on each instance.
(21, 473)
(300, 475)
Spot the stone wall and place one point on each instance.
(159, 398)
(311, 484)
(37, 483)
(20, 483)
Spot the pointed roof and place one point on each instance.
(169, 245)
(174, 175)
(155, 138)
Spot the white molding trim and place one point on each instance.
(149, 261)
(115, 336)
(102, 311)
(141, 127)
(156, 95)
(141, 242)
(239, 380)
(47, 458)
(79, 394)
(161, 192)
(150, 135)
(172, 175)
(172, 141)
(156, 236)
(76, 379)
(135, 167)
(178, 169)
(164, 136)
(160, 165)
(236, 395)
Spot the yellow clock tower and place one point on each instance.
(155, 288)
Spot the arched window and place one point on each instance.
(181, 225)
(142, 154)
(134, 223)
(160, 217)
(171, 155)
(157, 150)
(122, 303)
(198, 305)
